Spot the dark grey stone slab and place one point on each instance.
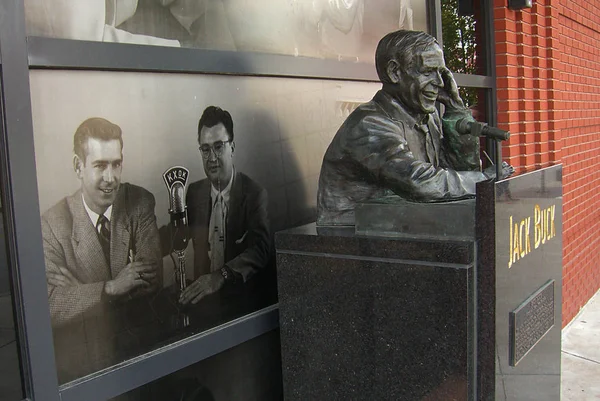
(380, 318)
(393, 216)
(514, 264)
(376, 323)
(344, 241)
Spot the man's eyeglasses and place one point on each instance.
(217, 147)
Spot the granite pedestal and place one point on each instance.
(519, 285)
(473, 316)
(375, 319)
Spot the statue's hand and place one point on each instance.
(449, 95)
(507, 171)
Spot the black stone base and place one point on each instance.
(395, 217)
(374, 318)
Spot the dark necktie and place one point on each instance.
(103, 229)
(217, 236)
(429, 147)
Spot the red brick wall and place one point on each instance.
(579, 49)
(548, 80)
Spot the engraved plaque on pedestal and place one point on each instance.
(530, 322)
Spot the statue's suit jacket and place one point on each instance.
(70, 240)
(380, 150)
(247, 243)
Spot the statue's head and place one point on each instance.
(410, 66)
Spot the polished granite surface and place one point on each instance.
(374, 318)
(526, 236)
(395, 217)
(366, 317)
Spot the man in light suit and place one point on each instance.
(227, 214)
(101, 244)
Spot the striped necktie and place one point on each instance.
(103, 230)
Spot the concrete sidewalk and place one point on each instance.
(580, 380)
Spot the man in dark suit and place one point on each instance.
(227, 214)
(101, 244)
(396, 143)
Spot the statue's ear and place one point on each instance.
(393, 71)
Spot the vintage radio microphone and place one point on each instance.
(467, 126)
(176, 180)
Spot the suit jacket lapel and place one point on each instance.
(86, 244)
(120, 234)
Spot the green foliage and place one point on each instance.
(460, 46)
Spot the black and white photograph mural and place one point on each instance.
(160, 195)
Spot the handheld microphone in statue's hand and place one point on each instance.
(176, 179)
(466, 126)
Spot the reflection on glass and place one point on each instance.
(85, 20)
(341, 29)
(478, 103)
(11, 386)
(250, 372)
(282, 127)
(473, 99)
(462, 32)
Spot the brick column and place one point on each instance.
(548, 80)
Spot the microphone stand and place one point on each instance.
(180, 279)
(176, 179)
(180, 270)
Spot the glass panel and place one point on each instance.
(250, 372)
(339, 29)
(463, 36)
(474, 98)
(11, 381)
(281, 130)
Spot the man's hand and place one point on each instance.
(134, 275)
(449, 95)
(62, 278)
(203, 286)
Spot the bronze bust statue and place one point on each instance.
(397, 143)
